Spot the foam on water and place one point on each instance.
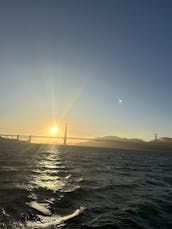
(41, 207)
(45, 221)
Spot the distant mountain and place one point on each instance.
(162, 144)
(166, 139)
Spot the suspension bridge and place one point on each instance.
(57, 140)
(62, 140)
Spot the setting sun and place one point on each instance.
(54, 129)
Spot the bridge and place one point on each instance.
(61, 140)
(29, 138)
(65, 139)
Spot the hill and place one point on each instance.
(162, 144)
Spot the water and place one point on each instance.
(45, 186)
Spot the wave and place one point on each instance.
(46, 221)
(118, 190)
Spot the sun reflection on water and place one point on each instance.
(47, 170)
(49, 184)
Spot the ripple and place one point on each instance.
(70, 188)
(53, 185)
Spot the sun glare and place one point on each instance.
(54, 129)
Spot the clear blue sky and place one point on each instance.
(105, 66)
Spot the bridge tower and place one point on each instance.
(18, 137)
(65, 135)
(29, 138)
(155, 136)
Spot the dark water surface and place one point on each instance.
(51, 187)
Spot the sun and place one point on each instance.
(54, 129)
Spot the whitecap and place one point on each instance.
(41, 207)
(46, 221)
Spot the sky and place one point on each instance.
(102, 66)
